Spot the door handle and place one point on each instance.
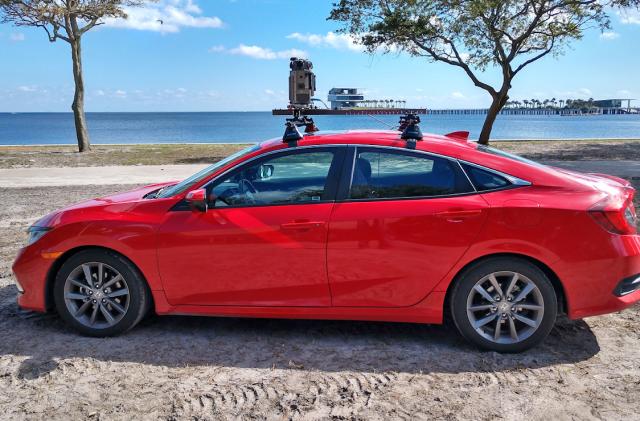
(302, 225)
(459, 215)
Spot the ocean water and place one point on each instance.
(221, 127)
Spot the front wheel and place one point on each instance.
(100, 293)
(504, 305)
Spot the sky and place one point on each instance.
(232, 55)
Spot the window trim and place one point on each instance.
(344, 194)
(337, 163)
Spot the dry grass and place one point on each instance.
(55, 156)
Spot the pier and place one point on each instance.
(541, 111)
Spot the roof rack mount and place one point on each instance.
(291, 132)
(410, 130)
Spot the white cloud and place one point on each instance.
(100, 92)
(585, 92)
(609, 35)
(31, 88)
(16, 36)
(262, 53)
(119, 93)
(269, 92)
(165, 16)
(331, 39)
(217, 49)
(629, 16)
(458, 95)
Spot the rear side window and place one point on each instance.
(485, 180)
(381, 174)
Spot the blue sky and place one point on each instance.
(224, 55)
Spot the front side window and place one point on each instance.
(393, 174)
(285, 179)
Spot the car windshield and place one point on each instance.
(499, 152)
(201, 175)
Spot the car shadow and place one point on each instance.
(174, 341)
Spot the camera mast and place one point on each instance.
(302, 88)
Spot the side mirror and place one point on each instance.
(266, 171)
(197, 200)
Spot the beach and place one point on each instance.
(207, 368)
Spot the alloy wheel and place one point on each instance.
(96, 295)
(505, 307)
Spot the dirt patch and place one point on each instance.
(213, 368)
(611, 150)
(68, 156)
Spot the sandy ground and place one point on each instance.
(215, 368)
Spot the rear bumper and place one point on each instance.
(31, 271)
(593, 287)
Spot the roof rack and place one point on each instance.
(410, 129)
(291, 133)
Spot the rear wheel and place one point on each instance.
(504, 304)
(100, 293)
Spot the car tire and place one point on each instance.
(100, 293)
(495, 315)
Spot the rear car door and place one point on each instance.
(262, 242)
(402, 220)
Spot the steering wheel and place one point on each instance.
(248, 190)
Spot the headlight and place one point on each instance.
(35, 233)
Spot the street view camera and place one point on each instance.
(302, 87)
(302, 83)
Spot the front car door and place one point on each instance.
(405, 218)
(263, 240)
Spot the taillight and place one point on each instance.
(616, 218)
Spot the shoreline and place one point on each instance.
(565, 139)
(48, 156)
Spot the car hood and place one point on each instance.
(122, 201)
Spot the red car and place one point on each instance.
(358, 225)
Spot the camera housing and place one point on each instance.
(302, 83)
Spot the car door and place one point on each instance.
(262, 242)
(402, 220)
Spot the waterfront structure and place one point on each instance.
(351, 98)
(572, 108)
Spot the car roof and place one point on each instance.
(434, 143)
(454, 145)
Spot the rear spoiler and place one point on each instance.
(461, 135)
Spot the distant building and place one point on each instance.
(344, 98)
(612, 103)
(351, 99)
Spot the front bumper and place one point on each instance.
(31, 270)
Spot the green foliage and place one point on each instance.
(475, 34)
(62, 19)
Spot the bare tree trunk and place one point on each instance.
(78, 98)
(496, 105)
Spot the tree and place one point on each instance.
(474, 34)
(67, 20)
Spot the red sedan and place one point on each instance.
(358, 225)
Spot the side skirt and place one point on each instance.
(428, 311)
